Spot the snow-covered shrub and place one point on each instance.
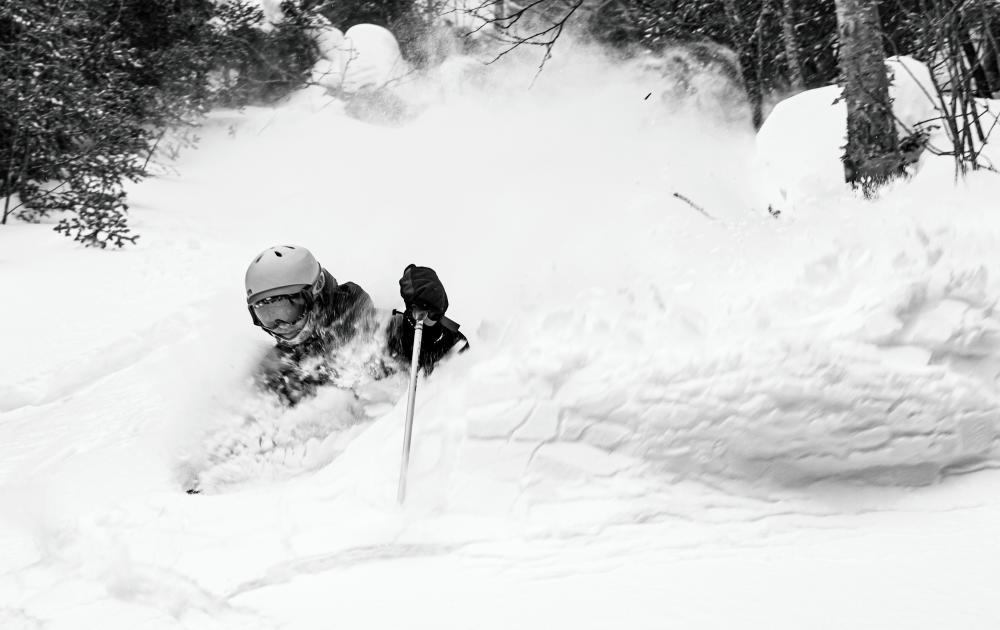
(260, 60)
(367, 57)
(71, 110)
(958, 41)
(417, 26)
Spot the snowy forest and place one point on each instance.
(499, 314)
(90, 89)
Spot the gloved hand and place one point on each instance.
(422, 291)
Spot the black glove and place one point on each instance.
(422, 291)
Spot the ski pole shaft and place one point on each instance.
(418, 333)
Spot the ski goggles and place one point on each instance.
(280, 311)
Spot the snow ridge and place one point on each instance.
(902, 395)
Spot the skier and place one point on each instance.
(313, 318)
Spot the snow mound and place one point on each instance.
(782, 411)
(366, 57)
(634, 391)
(800, 144)
(834, 379)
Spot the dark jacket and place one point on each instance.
(349, 324)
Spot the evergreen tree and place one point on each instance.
(88, 87)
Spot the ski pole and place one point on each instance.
(418, 333)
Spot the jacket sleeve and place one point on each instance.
(438, 340)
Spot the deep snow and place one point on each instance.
(667, 420)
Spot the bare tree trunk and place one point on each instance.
(793, 53)
(6, 199)
(991, 66)
(991, 51)
(735, 22)
(972, 56)
(8, 183)
(741, 43)
(872, 155)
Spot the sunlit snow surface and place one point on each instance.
(666, 420)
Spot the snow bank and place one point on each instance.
(800, 144)
(838, 381)
(365, 57)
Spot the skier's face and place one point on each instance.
(288, 331)
(282, 315)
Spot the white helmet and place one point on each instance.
(283, 284)
(281, 270)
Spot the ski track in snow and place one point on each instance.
(711, 399)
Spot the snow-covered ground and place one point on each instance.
(667, 420)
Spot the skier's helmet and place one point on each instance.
(282, 284)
